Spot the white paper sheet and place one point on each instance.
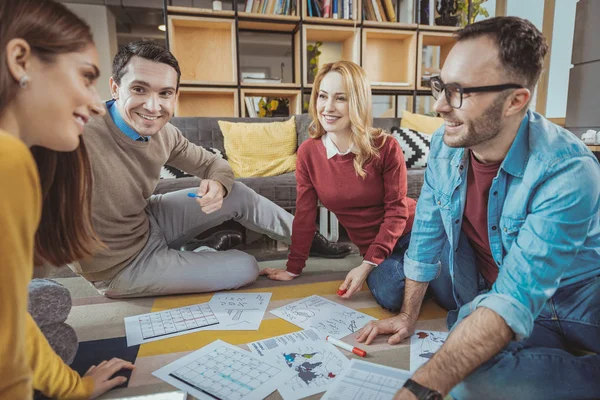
(220, 370)
(324, 316)
(423, 344)
(239, 311)
(231, 312)
(363, 380)
(316, 363)
(159, 325)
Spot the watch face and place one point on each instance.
(435, 396)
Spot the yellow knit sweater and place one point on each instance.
(27, 361)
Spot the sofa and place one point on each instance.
(205, 131)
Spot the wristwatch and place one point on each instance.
(422, 392)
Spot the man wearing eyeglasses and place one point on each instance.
(506, 234)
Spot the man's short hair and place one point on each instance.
(148, 49)
(522, 47)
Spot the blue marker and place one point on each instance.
(194, 195)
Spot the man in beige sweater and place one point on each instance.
(143, 233)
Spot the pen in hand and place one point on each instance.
(194, 195)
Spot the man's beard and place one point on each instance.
(482, 129)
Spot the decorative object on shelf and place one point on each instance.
(425, 17)
(478, 9)
(447, 10)
(276, 107)
(591, 137)
(313, 54)
(217, 5)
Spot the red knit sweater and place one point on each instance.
(375, 210)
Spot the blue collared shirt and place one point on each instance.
(121, 124)
(543, 221)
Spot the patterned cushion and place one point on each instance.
(415, 146)
(170, 172)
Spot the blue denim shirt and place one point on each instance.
(543, 221)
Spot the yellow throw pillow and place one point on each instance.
(260, 149)
(420, 123)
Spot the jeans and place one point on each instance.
(539, 367)
(386, 281)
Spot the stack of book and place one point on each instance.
(379, 10)
(336, 9)
(273, 7)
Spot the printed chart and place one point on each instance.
(223, 371)
(239, 311)
(324, 316)
(363, 380)
(158, 325)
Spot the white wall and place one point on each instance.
(104, 29)
(560, 63)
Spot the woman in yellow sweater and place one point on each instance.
(48, 68)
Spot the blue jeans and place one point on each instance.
(539, 367)
(386, 281)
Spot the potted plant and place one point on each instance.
(478, 9)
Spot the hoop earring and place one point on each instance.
(24, 81)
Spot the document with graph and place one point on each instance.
(365, 380)
(324, 316)
(316, 363)
(239, 311)
(223, 371)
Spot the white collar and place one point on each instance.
(332, 149)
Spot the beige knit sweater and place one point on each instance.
(126, 173)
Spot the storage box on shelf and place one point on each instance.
(388, 57)
(440, 40)
(207, 102)
(205, 49)
(348, 38)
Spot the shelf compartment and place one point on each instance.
(356, 15)
(207, 102)
(388, 58)
(267, 22)
(294, 97)
(200, 11)
(442, 43)
(200, 44)
(341, 43)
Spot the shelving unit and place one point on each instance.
(388, 57)
(294, 97)
(347, 38)
(207, 45)
(443, 41)
(200, 44)
(207, 102)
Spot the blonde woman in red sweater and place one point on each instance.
(358, 172)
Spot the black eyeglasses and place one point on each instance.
(454, 91)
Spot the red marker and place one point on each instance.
(341, 292)
(346, 346)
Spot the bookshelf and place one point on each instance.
(211, 55)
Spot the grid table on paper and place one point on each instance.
(226, 373)
(176, 320)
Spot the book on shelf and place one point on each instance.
(333, 9)
(271, 7)
(389, 10)
(252, 106)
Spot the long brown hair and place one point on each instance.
(65, 233)
(365, 137)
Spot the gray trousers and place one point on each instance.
(161, 269)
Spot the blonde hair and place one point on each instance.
(366, 139)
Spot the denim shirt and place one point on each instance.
(543, 221)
